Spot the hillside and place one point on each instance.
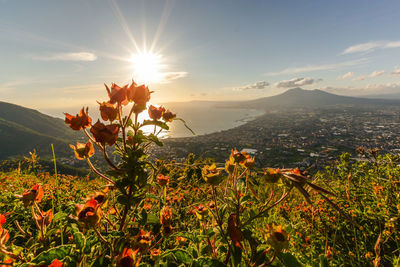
(297, 98)
(23, 129)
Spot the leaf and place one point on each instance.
(209, 262)
(160, 124)
(180, 255)
(59, 215)
(289, 260)
(187, 127)
(101, 261)
(79, 239)
(60, 252)
(323, 261)
(152, 218)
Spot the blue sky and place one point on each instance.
(56, 55)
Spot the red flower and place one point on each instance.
(2, 219)
(80, 121)
(89, 213)
(83, 151)
(156, 113)
(56, 263)
(46, 217)
(30, 196)
(168, 116)
(105, 134)
(162, 180)
(129, 258)
(108, 111)
(117, 94)
(138, 94)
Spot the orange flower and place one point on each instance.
(168, 116)
(108, 111)
(117, 94)
(238, 157)
(143, 240)
(166, 219)
(105, 134)
(229, 167)
(249, 163)
(155, 252)
(2, 219)
(32, 195)
(155, 113)
(271, 175)
(83, 151)
(56, 263)
(234, 231)
(129, 258)
(212, 175)
(162, 180)
(89, 213)
(138, 94)
(201, 212)
(46, 217)
(80, 121)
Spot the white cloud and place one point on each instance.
(360, 78)
(396, 72)
(371, 46)
(295, 82)
(346, 75)
(369, 89)
(377, 73)
(364, 47)
(256, 85)
(73, 56)
(321, 67)
(170, 76)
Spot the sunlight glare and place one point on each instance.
(147, 67)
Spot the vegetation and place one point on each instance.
(194, 213)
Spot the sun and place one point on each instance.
(147, 67)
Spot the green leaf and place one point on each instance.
(46, 257)
(323, 261)
(289, 260)
(152, 218)
(209, 262)
(79, 239)
(179, 255)
(101, 261)
(59, 215)
(160, 124)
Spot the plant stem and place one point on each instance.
(98, 173)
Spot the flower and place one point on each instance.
(155, 113)
(105, 134)
(181, 241)
(201, 212)
(138, 94)
(83, 151)
(56, 263)
(249, 163)
(238, 157)
(229, 167)
(117, 94)
(108, 111)
(45, 217)
(155, 252)
(162, 180)
(277, 237)
(89, 213)
(80, 121)
(168, 116)
(34, 194)
(2, 219)
(234, 231)
(166, 219)
(271, 175)
(143, 240)
(129, 259)
(211, 174)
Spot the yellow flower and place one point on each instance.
(277, 237)
(212, 175)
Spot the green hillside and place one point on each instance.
(23, 129)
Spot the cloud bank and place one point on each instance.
(295, 82)
(370, 46)
(257, 85)
(73, 56)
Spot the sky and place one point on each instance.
(56, 55)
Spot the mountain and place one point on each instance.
(23, 129)
(300, 98)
